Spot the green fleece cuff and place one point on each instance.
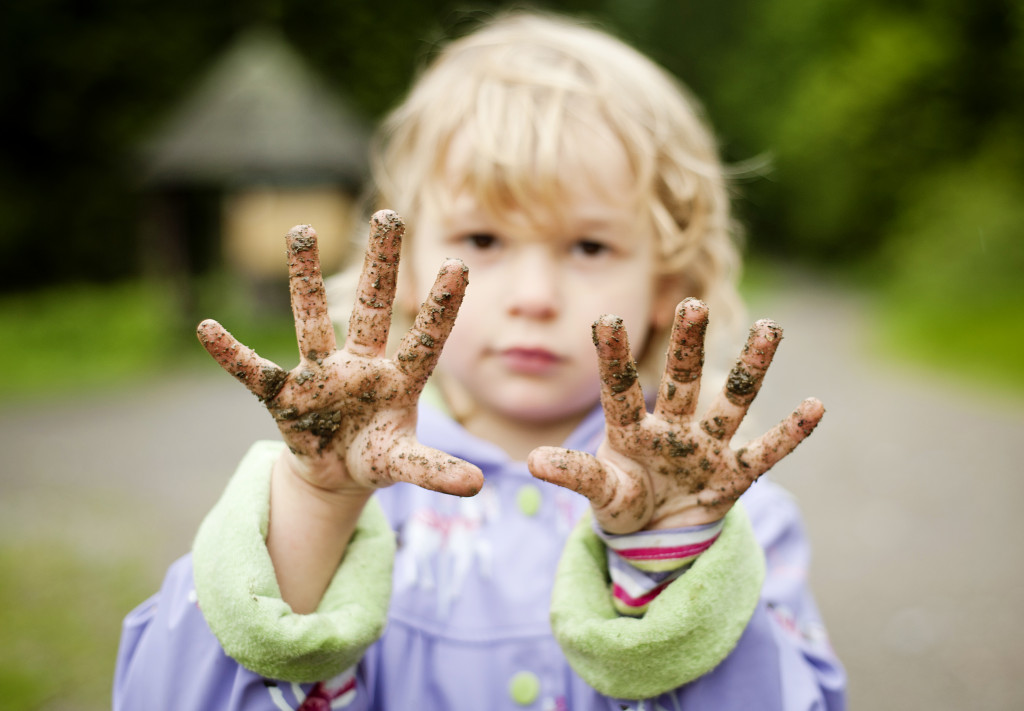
(687, 630)
(241, 601)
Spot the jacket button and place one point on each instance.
(524, 688)
(528, 499)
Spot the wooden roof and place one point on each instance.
(259, 115)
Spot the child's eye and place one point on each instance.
(590, 248)
(482, 240)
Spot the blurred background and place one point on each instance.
(154, 153)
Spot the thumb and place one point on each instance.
(576, 471)
(433, 469)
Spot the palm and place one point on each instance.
(671, 468)
(347, 408)
(349, 414)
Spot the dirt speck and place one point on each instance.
(716, 427)
(678, 448)
(741, 385)
(624, 378)
(272, 380)
(320, 424)
(303, 242)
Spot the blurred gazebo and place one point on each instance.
(261, 144)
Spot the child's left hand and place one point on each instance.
(669, 469)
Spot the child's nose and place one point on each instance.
(534, 285)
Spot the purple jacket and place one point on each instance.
(468, 622)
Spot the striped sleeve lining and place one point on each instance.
(642, 564)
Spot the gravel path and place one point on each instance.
(912, 494)
(909, 488)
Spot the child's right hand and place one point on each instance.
(348, 415)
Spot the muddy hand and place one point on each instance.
(670, 469)
(349, 414)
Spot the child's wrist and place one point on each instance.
(685, 518)
(293, 486)
(642, 564)
(307, 533)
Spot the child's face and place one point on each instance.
(522, 347)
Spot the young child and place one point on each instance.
(569, 179)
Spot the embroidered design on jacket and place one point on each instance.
(438, 550)
(337, 693)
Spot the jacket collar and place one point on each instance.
(436, 428)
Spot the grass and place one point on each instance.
(82, 336)
(78, 338)
(61, 620)
(976, 344)
(974, 340)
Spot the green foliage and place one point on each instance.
(893, 133)
(952, 289)
(83, 336)
(960, 235)
(971, 345)
(61, 618)
(838, 126)
(854, 102)
(73, 338)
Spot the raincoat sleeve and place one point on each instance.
(738, 630)
(218, 635)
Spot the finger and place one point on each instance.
(433, 469)
(576, 471)
(621, 396)
(421, 347)
(375, 294)
(262, 377)
(731, 404)
(763, 453)
(680, 385)
(313, 326)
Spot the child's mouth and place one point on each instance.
(529, 361)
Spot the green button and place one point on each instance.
(524, 688)
(529, 500)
